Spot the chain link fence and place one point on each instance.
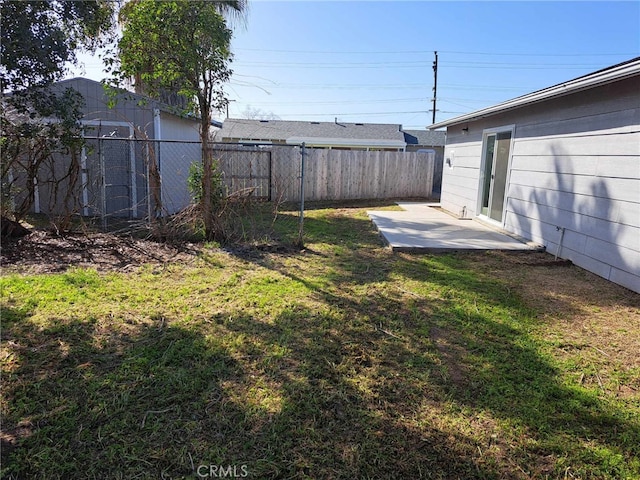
(122, 183)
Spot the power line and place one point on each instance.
(328, 86)
(344, 114)
(349, 113)
(383, 65)
(346, 102)
(429, 52)
(451, 100)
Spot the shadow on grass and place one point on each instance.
(88, 402)
(156, 401)
(342, 399)
(483, 333)
(410, 367)
(472, 339)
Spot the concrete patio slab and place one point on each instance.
(423, 227)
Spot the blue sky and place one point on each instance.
(372, 61)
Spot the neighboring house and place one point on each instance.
(334, 135)
(559, 166)
(418, 140)
(115, 177)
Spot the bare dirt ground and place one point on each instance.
(45, 252)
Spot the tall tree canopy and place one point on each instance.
(39, 37)
(183, 47)
(232, 10)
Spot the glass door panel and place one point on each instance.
(499, 175)
(486, 174)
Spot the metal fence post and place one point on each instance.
(103, 175)
(301, 220)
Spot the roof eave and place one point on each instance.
(346, 142)
(601, 77)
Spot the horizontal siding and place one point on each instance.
(593, 165)
(599, 228)
(460, 194)
(575, 166)
(614, 122)
(624, 189)
(620, 100)
(613, 254)
(613, 210)
(463, 173)
(458, 205)
(623, 144)
(465, 162)
(625, 278)
(461, 177)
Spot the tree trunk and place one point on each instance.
(209, 215)
(207, 194)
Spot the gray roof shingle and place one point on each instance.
(431, 138)
(284, 129)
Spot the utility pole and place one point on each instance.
(435, 85)
(227, 105)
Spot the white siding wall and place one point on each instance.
(575, 166)
(460, 178)
(178, 128)
(174, 157)
(179, 148)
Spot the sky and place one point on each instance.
(372, 62)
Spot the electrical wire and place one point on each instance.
(347, 102)
(419, 64)
(345, 114)
(456, 52)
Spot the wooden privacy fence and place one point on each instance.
(353, 174)
(276, 171)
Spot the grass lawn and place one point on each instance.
(341, 361)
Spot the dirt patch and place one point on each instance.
(45, 252)
(593, 322)
(452, 355)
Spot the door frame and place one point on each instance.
(481, 177)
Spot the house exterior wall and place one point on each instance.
(126, 109)
(179, 149)
(131, 116)
(575, 165)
